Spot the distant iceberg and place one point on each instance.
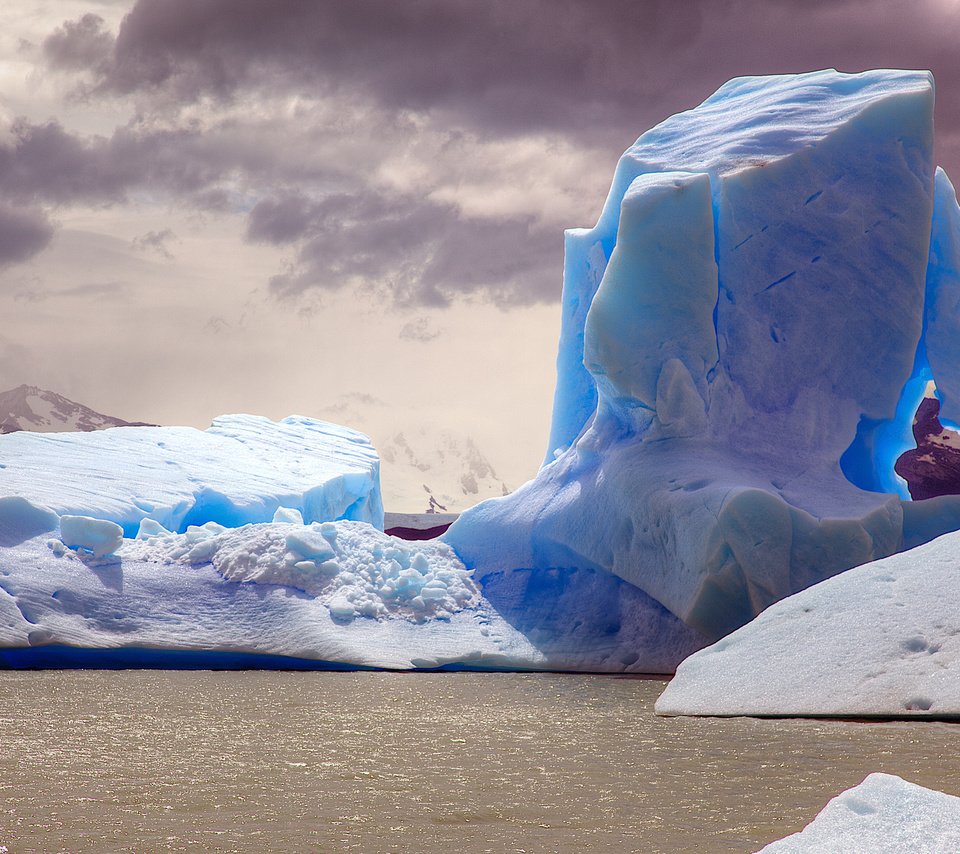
(238, 471)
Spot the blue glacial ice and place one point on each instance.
(744, 341)
(745, 333)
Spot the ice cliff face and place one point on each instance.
(746, 333)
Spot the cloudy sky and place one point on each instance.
(354, 209)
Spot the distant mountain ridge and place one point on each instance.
(38, 410)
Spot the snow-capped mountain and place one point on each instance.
(40, 411)
(434, 470)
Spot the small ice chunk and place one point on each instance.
(203, 551)
(288, 514)
(150, 528)
(308, 545)
(95, 535)
(342, 609)
(329, 530)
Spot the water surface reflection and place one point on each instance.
(381, 762)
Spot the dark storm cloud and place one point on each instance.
(83, 43)
(23, 233)
(593, 72)
(577, 67)
(551, 64)
(46, 162)
(421, 251)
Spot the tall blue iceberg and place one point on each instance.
(746, 333)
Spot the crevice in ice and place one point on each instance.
(715, 206)
(780, 281)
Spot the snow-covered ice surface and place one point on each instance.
(879, 640)
(338, 593)
(223, 560)
(727, 413)
(240, 470)
(883, 815)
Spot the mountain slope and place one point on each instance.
(436, 469)
(40, 411)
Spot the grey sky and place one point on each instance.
(216, 205)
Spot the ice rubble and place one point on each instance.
(291, 595)
(882, 639)
(882, 815)
(742, 352)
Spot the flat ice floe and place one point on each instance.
(238, 471)
(882, 640)
(883, 815)
(285, 594)
(342, 593)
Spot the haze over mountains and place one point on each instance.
(422, 470)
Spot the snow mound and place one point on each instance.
(356, 570)
(742, 351)
(879, 640)
(883, 815)
(217, 597)
(97, 536)
(239, 471)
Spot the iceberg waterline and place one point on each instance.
(770, 281)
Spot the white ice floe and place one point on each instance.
(879, 640)
(342, 594)
(883, 815)
(238, 471)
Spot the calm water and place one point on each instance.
(377, 762)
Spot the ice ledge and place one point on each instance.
(237, 472)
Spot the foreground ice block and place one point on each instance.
(739, 329)
(881, 640)
(240, 470)
(882, 815)
(285, 594)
